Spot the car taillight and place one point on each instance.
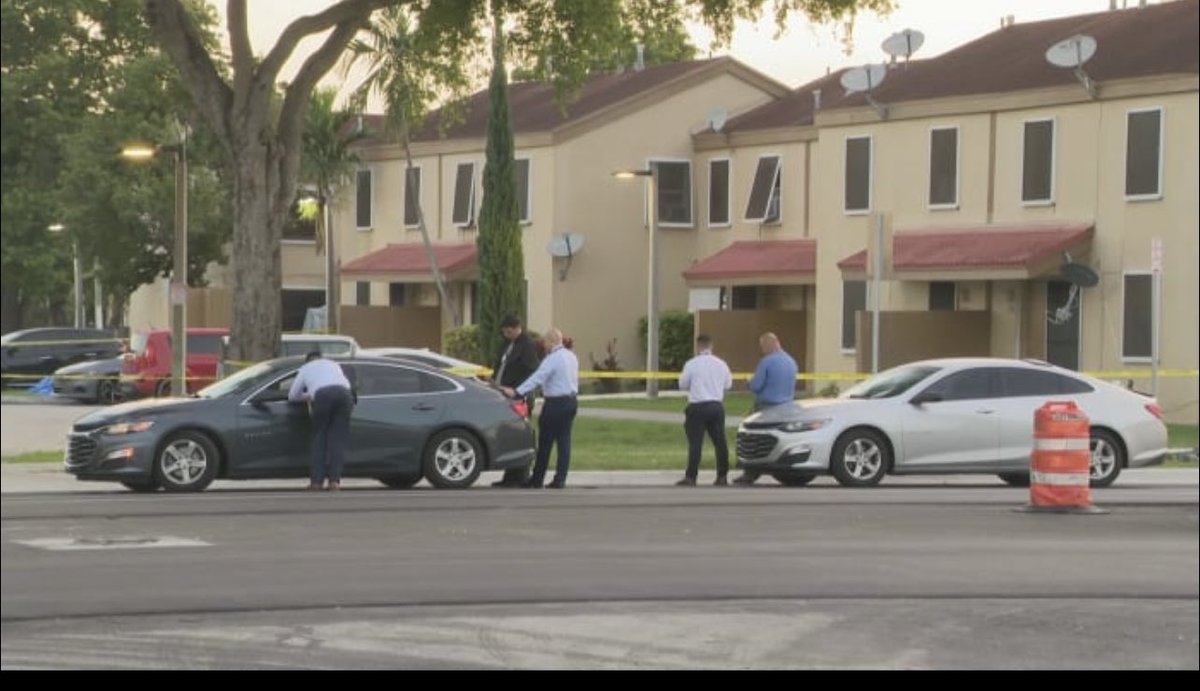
(1155, 410)
(521, 408)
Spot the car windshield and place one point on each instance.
(234, 381)
(893, 382)
(138, 343)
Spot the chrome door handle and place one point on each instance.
(985, 411)
(424, 407)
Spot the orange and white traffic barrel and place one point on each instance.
(1060, 467)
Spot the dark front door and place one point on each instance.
(1062, 324)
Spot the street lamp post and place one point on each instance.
(651, 176)
(178, 290)
(78, 280)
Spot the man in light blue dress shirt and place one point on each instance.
(773, 383)
(558, 377)
(324, 385)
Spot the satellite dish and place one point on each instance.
(903, 43)
(717, 118)
(565, 246)
(1078, 274)
(863, 78)
(1072, 52)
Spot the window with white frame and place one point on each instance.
(362, 293)
(1037, 166)
(1143, 154)
(412, 196)
(943, 167)
(364, 207)
(854, 300)
(858, 175)
(674, 192)
(1135, 329)
(464, 195)
(763, 205)
(521, 172)
(718, 192)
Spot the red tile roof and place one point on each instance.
(758, 259)
(970, 248)
(410, 258)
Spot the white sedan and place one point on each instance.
(428, 358)
(961, 415)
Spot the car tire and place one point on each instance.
(186, 462)
(1108, 458)
(453, 459)
(106, 391)
(860, 458)
(404, 481)
(141, 487)
(794, 479)
(1015, 479)
(162, 389)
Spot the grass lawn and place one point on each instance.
(1182, 436)
(738, 403)
(36, 457)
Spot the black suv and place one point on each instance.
(26, 355)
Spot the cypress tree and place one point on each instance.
(501, 262)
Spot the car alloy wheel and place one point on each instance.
(1107, 458)
(860, 458)
(453, 459)
(187, 462)
(106, 391)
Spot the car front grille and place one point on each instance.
(80, 449)
(755, 446)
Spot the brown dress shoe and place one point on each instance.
(313, 487)
(334, 487)
(721, 482)
(686, 482)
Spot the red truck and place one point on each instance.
(147, 367)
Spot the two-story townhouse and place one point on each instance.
(989, 168)
(565, 164)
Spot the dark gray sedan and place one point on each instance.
(410, 422)
(93, 381)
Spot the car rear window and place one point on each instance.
(137, 344)
(204, 343)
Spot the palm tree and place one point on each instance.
(327, 161)
(410, 70)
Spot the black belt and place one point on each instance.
(569, 397)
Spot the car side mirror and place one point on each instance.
(925, 397)
(269, 397)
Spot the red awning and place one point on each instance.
(988, 252)
(764, 262)
(408, 263)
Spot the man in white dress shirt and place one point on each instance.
(706, 378)
(323, 382)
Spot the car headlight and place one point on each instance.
(129, 427)
(804, 425)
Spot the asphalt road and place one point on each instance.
(911, 576)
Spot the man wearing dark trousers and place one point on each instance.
(324, 385)
(706, 378)
(558, 377)
(515, 361)
(773, 383)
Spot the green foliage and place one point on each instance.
(463, 343)
(608, 364)
(830, 391)
(501, 261)
(675, 339)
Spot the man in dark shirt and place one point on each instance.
(515, 361)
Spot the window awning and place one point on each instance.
(408, 263)
(762, 262)
(1011, 252)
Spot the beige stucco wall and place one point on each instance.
(1089, 179)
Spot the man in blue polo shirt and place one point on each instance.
(773, 383)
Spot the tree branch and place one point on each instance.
(344, 11)
(178, 37)
(241, 54)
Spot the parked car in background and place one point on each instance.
(30, 354)
(428, 357)
(410, 422)
(329, 345)
(147, 367)
(961, 415)
(93, 381)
